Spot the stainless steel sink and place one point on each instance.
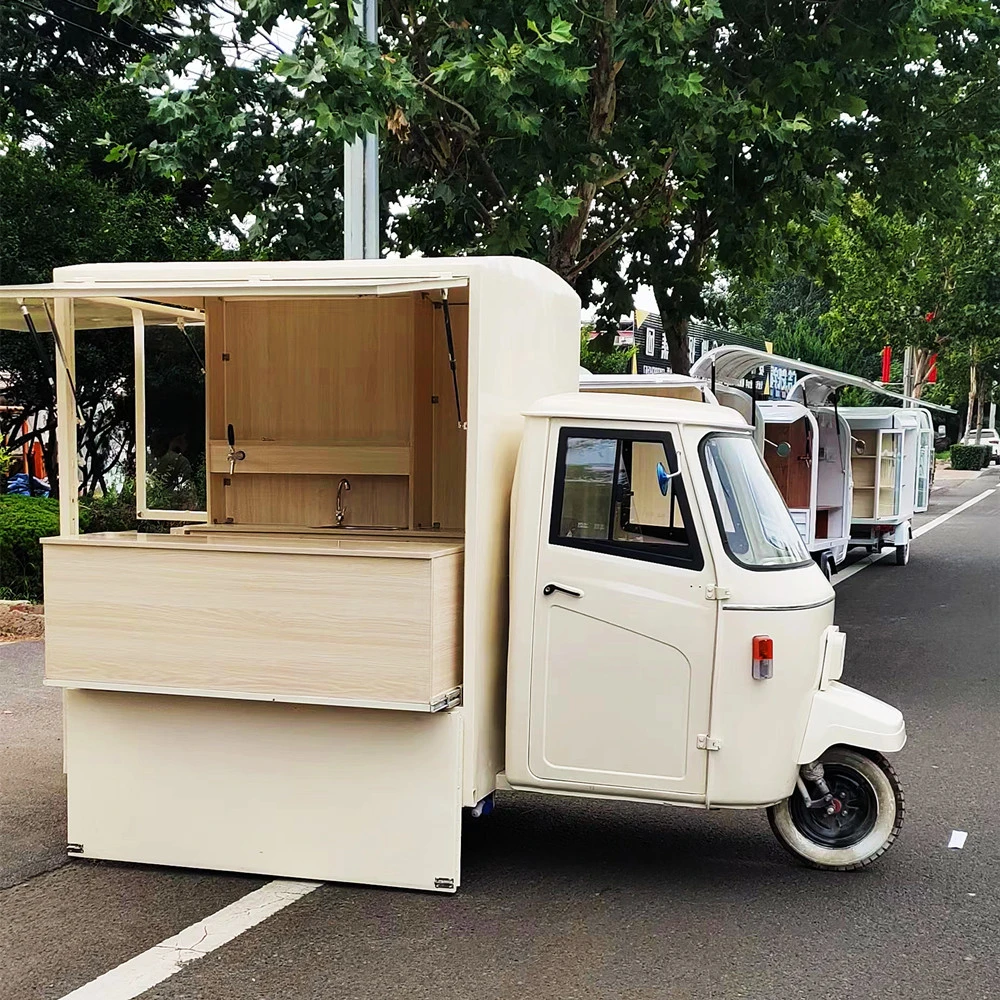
(360, 527)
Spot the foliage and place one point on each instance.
(5, 460)
(575, 131)
(600, 359)
(64, 69)
(930, 283)
(23, 521)
(970, 456)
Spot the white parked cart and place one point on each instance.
(429, 568)
(890, 473)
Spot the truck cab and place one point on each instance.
(649, 547)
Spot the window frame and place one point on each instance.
(753, 568)
(690, 555)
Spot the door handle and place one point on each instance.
(550, 588)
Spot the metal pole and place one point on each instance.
(362, 232)
(908, 375)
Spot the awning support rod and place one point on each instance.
(451, 356)
(62, 358)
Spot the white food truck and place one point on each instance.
(429, 567)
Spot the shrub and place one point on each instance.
(23, 521)
(969, 456)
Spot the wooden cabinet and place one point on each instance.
(326, 619)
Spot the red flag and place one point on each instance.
(932, 368)
(886, 362)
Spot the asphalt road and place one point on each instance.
(569, 898)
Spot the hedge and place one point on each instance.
(970, 456)
(23, 521)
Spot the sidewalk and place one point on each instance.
(32, 787)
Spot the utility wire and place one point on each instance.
(76, 24)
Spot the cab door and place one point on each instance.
(624, 623)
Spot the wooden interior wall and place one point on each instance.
(422, 454)
(792, 474)
(450, 442)
(215, 402)
(318, 372)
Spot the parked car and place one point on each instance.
(988, 435)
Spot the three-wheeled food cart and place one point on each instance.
(429, 568)
(890, 474)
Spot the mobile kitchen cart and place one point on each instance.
(421, 578)
(218, 679)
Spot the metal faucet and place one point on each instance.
(344, 484)
(235, 455)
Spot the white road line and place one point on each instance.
(160, 962)
(922, 530)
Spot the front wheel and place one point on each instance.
(867, 813)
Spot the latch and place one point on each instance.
(705, 742)
(444, 883)
(714, 593)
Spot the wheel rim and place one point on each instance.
(856, 813)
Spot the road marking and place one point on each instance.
(861, 564)
(160, 962)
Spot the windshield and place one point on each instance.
(754, 520)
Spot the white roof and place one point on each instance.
(733, 363)
(638, 381)
(619, 406)
(188, 283)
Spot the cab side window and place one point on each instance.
(620, 494)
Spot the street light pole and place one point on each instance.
(362, 234)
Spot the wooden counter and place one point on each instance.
(324, 618)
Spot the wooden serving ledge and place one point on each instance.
(322, 617)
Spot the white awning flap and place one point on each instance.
(815, 386)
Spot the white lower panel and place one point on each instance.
(301, 791)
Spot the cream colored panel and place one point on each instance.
(616, 704)
(300, 791)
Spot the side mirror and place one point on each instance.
(783, 448)
(941, 430)
(663, 477)
(859, 447)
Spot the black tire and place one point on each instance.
(868, 825)
(902, 554)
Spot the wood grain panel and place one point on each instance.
(298, 457)
(792, 474)
(447, 587)
(320, 370)
(312, 500)
(336, 626)
(450, 442)
(422, 452)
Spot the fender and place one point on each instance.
(842, 714)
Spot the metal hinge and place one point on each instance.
(74, 848)
(705, 742)
(448, 700)
(714, 593)
(435, 399)
(444, 883)
(225, 357)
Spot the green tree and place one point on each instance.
(63, 86)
